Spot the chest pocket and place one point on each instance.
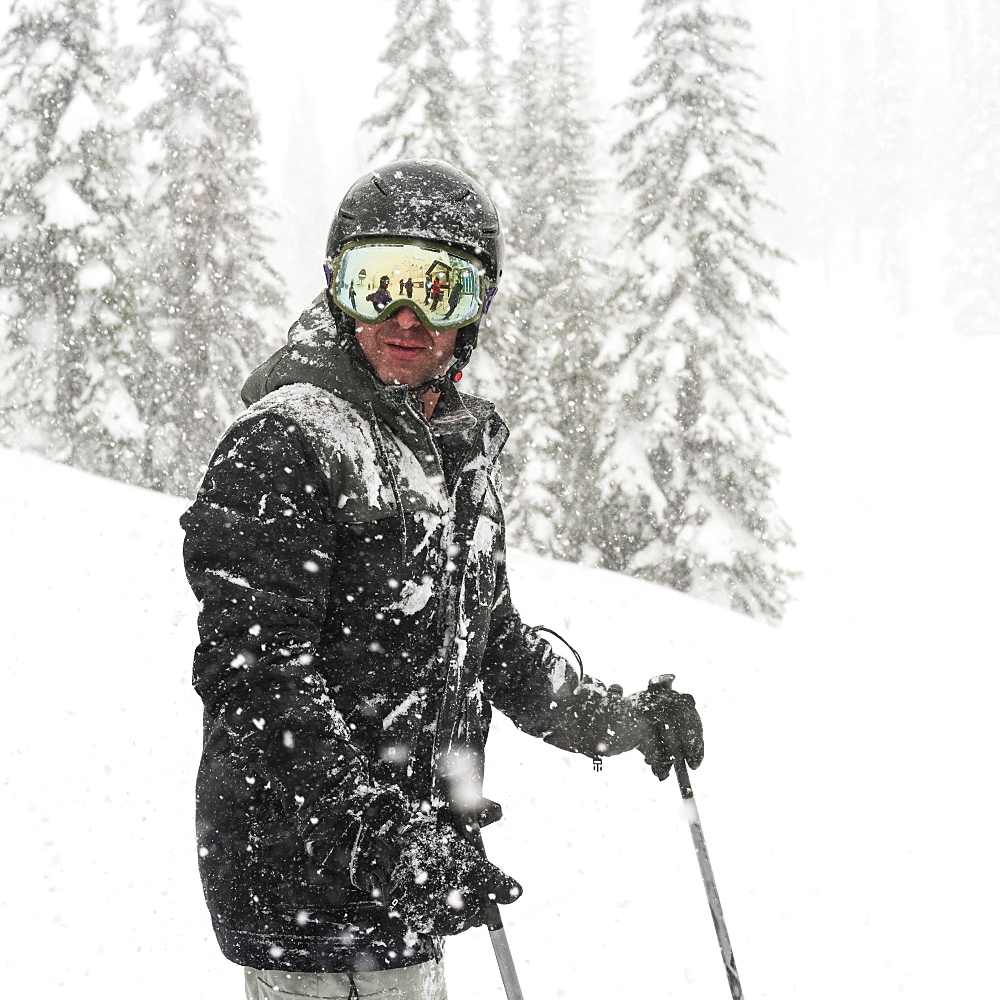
(386, 569)
(485, 548)
(391, 515)
(386, 481)
(492, 507)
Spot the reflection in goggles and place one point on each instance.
(445, 288)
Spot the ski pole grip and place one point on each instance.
(492, 910)
(659, 684)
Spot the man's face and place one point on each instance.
(403, 352)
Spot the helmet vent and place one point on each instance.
(465, 194)
(375, 181)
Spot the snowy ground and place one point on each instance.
(845, 794)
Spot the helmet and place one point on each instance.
(429, 200)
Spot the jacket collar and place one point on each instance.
(320, 354)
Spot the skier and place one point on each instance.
(381, 297)
(454, 296)
(356, 627)
(436, 293)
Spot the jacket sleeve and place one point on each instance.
(547, 696)
(257, 551)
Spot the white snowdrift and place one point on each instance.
(847, 823)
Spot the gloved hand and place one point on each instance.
(442, 884)
(672, 727)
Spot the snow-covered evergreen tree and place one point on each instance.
(487, 98)
(301, 222)
(430, 111)
(972, 168)
(427, 110)
(69, 349)
(546, 327)
(578, 291)
(690, 413)
(210, 291)
(526, 343)
(487, 95)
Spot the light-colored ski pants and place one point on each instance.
(416, 982)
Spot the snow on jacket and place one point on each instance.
(356, 627)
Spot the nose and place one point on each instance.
(407, 319)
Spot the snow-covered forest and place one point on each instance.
(629, 348)
(746, 339)
(657, 177)
(135, 285)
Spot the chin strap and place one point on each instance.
(454, 374)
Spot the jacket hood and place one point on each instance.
(319, 353)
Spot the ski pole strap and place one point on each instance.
(680, 769)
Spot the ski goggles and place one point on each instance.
(445, 288)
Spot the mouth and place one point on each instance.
(404, 349)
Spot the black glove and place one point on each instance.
(672, 727)
(442, 884)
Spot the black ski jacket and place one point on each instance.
(356, 626)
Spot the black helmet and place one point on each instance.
(428, 200)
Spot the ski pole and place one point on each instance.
(498, 936)
(664, 682)
(467, 820)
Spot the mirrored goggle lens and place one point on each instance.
(372, 281)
